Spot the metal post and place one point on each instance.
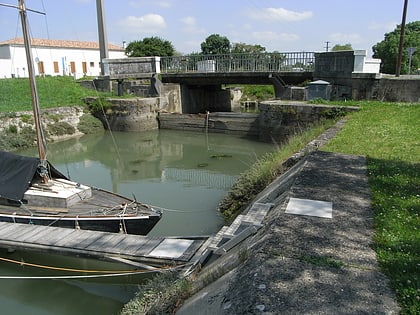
(411, 51)
(400, 46)
(103, 38)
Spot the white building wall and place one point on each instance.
(364, 65)
(45, 57)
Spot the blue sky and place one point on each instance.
(281, 25)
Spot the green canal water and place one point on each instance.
(185, 174)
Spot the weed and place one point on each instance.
(60, 129)
(322, 261)
(160, 295)
(89, 124)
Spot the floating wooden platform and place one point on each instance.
(154, 251)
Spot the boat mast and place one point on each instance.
(42, 148)
(103, 38)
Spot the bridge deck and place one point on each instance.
(153, 250)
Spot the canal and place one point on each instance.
(185, 174)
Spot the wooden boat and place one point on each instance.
(32, 191)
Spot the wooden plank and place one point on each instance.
(107, 243)
(130, 247)
(19, 230)
(83, 242)
(77, 240)
(26, 233)
(61, 234)
(147, 247)
(40, 209)
(191, 250)
(6, 228)
(36, 234)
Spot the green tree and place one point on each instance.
(339, 47)
(387, 50)
(215, 45)
(242, 48)
(150, 46)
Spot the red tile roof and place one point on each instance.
(57, 43)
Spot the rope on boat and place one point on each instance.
(175, 210)
(100, 273)
(70, 277)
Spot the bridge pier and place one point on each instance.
(279, 85)
(202, 98)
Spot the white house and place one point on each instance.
(54, 57)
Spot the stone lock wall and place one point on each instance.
(279, 121)
(132, 114)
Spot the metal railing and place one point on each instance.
(263, 62)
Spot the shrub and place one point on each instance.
(60, 128)
(89, 124)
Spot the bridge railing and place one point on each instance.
(263, 62)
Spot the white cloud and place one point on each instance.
(149, 23)
(189, 21)
(269, 36)
(342, 39)
(278, 14)
(165, 4)
(190, 25)
(387, 27)
(137, 4)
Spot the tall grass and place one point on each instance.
(388, 134)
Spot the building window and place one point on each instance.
(92, 64)
(41, 69)
(56, 67)
(72, 67)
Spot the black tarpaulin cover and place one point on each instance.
(17, 173)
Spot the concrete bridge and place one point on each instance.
(262, 68)
(200, 78)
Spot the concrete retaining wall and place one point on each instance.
(219, 122)
(132, 114)
(399, 89)
(275, 122)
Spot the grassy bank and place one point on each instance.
(388, 134)
(53, 92)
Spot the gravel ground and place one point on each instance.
(300, 264)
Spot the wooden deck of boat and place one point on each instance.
(155, 251)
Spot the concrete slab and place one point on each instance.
(171, 248)
(309, 207)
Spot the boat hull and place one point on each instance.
(139, 225)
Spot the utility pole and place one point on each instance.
(103, 38)
(400, 46)
(411, 51)
(327, 47)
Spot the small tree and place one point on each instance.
(241, 48)
(387, 50)
(150, 46)
(339, 47)
(215, 45)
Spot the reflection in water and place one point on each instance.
(184, 173)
